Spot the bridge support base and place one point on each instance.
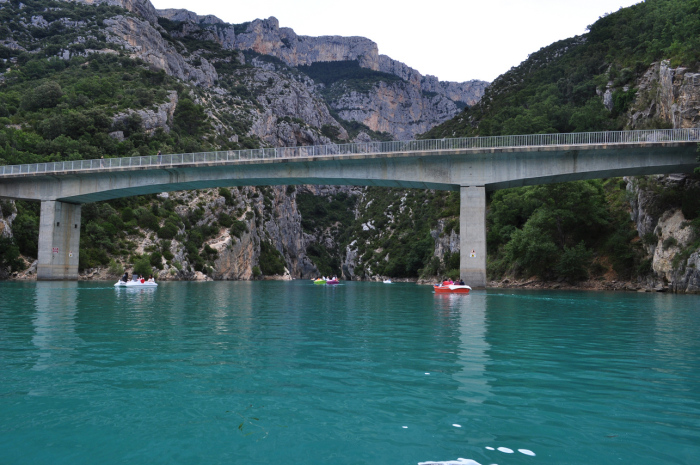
(472, 236)
(59, 240)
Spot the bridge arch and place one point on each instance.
(471, 166)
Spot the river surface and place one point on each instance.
(360, 373)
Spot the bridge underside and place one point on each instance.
(472, 174)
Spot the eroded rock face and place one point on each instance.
(151, 119)
(145, 42)
(445, 242)
(398, 108)
(670, 95)
(666, 234)
(143, 8)
(433, 101)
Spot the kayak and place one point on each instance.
(135, 284)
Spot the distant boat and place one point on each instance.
(319, 281)
(446, 287)
(332, 281)
(387, 281)
(135, 284)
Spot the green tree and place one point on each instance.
(574, 263)
(142, 267)
(46, 95)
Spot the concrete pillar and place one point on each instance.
(59, 239)
(472, 236)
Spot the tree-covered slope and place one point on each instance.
(557, 89)
(585, 83)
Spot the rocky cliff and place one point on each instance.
(383, 108)
(671, 241)
(666, 95)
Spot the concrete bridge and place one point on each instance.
(471, 166)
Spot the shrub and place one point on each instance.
(156, 260)
(226, 194)
(650, 239)
(148, 220)
(271, 260)
(128, 214)
(115, 268)
(9, 255)
(256, 271)
(44, 96)
(574, 262)
(238, 228)
(225, 220)
(142, 267)
(669, 242)
(168, 231)
(7, 208)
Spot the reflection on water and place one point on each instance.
(54, 323)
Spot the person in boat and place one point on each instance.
(125, 278)
(461, 282)
(151, 280)
(135, 278)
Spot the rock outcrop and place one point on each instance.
(667, 236)
(397, 108)
(143, 8)
(145, 42)
(385, 108)
(151, 119)
(667, 95)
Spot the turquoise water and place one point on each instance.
(362, 373)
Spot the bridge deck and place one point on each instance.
(416, 148)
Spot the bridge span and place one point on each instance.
(471, 166)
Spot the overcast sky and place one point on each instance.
(455, 40)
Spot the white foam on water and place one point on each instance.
(427, 373)
(405, 427)
(489, 448)
(505, 450)
(456, 425)
(459, 461)
(526, 452)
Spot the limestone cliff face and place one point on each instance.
(669, 95)
(143, 41)
(398, 108)
(7, 219)
(435, 101)
(143, 8)
(266, 37)
(161, 116)
(445, 242)
(666, 235)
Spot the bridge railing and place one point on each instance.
(340, 150)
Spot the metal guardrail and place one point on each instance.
(340, 150)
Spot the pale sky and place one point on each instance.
(455, 40)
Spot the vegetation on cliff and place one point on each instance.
(576, 230)
(556, 89)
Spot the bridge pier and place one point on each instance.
(472, 236)
(59, 240)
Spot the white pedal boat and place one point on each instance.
(135, 284)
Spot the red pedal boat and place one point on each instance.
(447, 287)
